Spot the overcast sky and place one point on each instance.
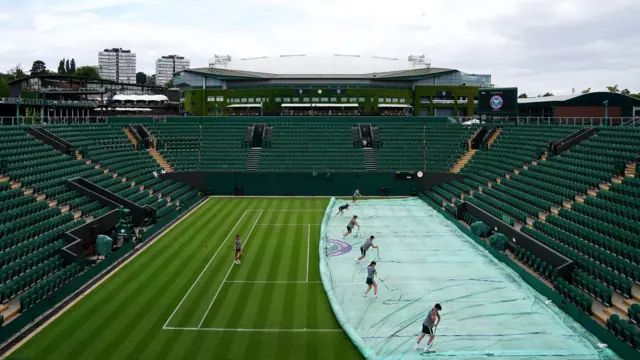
(537, 45)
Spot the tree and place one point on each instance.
(169, 85)
(523, 96)
(16, 73)
(141, 78)
(151, 80)
(625, 92)
(38, 67)
(586, 91)
(72, 67)
(88, 71)
(61, 67)
(547, 94)
(67, 68)
(613, 89)
(4, 86)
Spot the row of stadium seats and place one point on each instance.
(48, 286)
(573, 294)
(535, 263)
(624, 330)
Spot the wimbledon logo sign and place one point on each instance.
(337, 247)
(496, 102)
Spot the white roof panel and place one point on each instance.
(321, 64)
(546, 98)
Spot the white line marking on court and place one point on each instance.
(254, 330)
(276, 210)
(389, 281)
(308, 248)
(271, 282)
(203, 270)
(246, 240)
(288, 224)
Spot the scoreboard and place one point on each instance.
(499, 102)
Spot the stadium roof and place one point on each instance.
(80, 79)
(590, 99)
(387, 75)
(546, 99)
(123, 97)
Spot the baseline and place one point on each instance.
(288, 224)
(253, 330)
(289, 210)
(271, 282)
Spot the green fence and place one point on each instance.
(618, 346)
(306, 184)
(273, 119)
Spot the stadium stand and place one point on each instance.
(31, 223)
(583, 203)
(109, 147)
(317, 146)
(37, 208)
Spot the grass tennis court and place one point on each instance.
(183, 298)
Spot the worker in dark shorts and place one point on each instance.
(342, 208)
(352, 223)
(238, 249)
(429, 325)
(363, 249)
(356, 194)
(371, 273)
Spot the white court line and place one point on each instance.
(271, 282)
(288, 224)
(390, 281)
(228, 272)
(276, 210)
(254, 330)
(308, 248)
(203, 270)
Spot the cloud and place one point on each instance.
(74, 6)
(537, 45)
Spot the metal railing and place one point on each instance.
(73, 90)
(39, 102)
(581, 121)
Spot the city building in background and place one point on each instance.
(168, 65)
(118, 65)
